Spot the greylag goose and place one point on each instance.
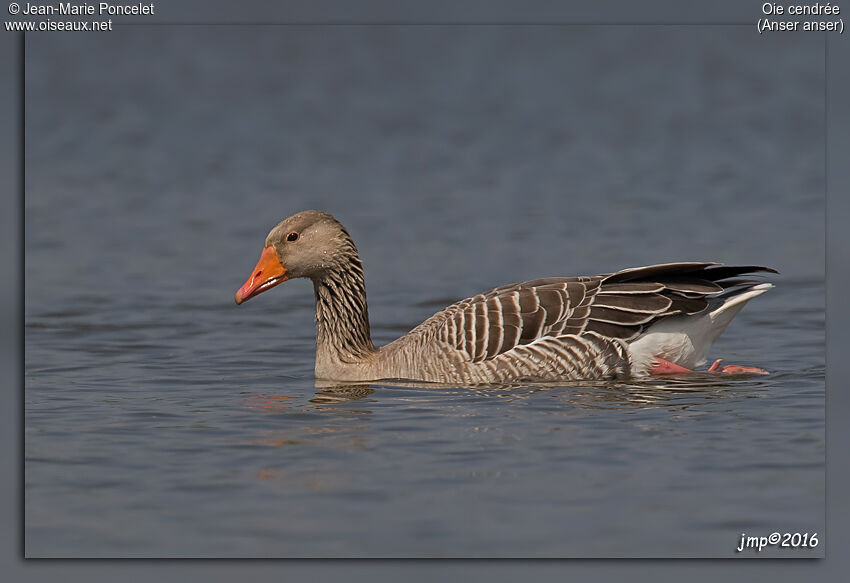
(659, 319)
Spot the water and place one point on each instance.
(162, 420)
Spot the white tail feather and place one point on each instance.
(686, 340)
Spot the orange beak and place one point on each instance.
(268, 273)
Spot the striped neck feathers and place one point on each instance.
(342, 317)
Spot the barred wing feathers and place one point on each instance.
(619, 306)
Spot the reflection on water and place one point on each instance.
(333, 394)
(340, 426)
(267, 402)
(685, 391)
(340, 438)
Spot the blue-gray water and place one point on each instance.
(163, 420)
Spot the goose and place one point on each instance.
(638, 322)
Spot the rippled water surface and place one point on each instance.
(162, 420)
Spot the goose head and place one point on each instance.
(307, 244)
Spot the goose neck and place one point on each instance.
(342, 316)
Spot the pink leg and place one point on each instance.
(734, 369)
(665, 367)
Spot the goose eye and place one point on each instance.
(292, 237)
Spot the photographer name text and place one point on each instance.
(99, 9)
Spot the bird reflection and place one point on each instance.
(684, 391)
(336, 394)
(340, 412)
(674, 392)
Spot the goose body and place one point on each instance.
(608, 326)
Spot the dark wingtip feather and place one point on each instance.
(706, 270)
(749, 268)
(648, 272)
(718, 272)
